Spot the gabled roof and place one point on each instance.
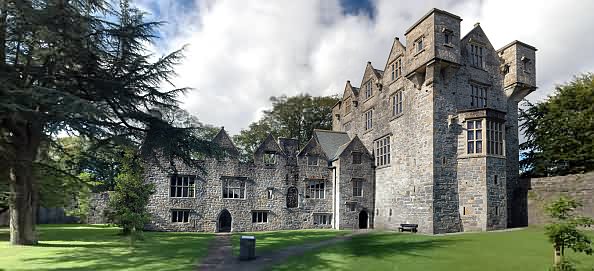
(397, 49)
(330, 141)
(379, 73)
(478, 31)
(348, 88)
(269, 145)
(224, 140)
(369, 69)
(341, 148)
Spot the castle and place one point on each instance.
(432, 139)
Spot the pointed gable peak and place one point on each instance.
(225, 142)
(349, 89)
(269, 145)
(398, 49)
(477, 34)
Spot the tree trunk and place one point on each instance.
(558, 259)
(24, 192)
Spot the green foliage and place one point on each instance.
(564, 231)
(560, 130)
(563, 266)
(131, 195)
(290, 117)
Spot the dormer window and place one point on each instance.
(476, 54)
(447, 35)
(269, 159)
(368, 90)
(419, 44)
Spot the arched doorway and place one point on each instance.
(292, 197)
(363, 217)
(224, 223)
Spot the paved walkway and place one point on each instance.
(220, 255)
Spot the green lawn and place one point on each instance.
(525, 249)
(96, 247)
(273, 240)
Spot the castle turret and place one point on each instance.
(518, 69)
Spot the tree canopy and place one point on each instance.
(290, 117)
(560, 130)
(82, 68)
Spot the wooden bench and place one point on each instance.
(408, 227)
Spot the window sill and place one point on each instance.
(382, 166)
(368, 98)
(419, 52)
(481, 155)
(448, 45)
(170, 197)
(478, 68)
(234, 198)
(181, 223)
(397, 116)
(367, 131)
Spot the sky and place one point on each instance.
(239, 53)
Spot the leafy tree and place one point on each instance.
(131, 195)
(560, 131)
(563, 232)
(290, 117)
(67, 66)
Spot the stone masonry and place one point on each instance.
(447, 106)
(432, 139)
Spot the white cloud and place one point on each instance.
(242, 52)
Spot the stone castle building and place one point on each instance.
(432, 139)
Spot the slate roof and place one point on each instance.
(355, 91)
(331, 142)
(379, 72)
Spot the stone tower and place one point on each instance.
(441, 121)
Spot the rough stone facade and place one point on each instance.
(544, 190)
(430, 140)
(433, 98)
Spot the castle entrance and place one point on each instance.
(363, 217)
(224, 223)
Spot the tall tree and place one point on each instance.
(66, 67)
(290, 117)
(560, 130)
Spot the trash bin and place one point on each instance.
(247, 248)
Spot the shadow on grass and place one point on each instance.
(374, 246)
(269, 241)
(102, 248)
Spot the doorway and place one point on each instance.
(224, 223)
(363, 217)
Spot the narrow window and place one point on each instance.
(447, 37)
(390, 211)
(478, 96)
(496, 210)
(269, 159)
(346, 127)
(495, 180)
(463, 210)
(419, 44)
(382, 151)
(368, 89)
(377, 211)
(312, 160)
(476, 53)
(398, 67)
(352, 206)
(494, 137)
(393, 71)
(397, 103)
(357, 187)
(292, 197)
(369, 119)
(474, 136)
(182, 187)
(180, 216)
(315, 189)
(357, 158)
(259, 216)
(347, 105)
(270, 193)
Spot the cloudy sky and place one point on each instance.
(241, 52)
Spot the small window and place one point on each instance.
(526, 64)
(315, 189)
(377, 211)
(476, 54)
(182, 187)
(447, 37)
(352, 206)
(478, 96)
(382, 151)
(474, 136)
(495, 181)
(419, 44)
(312, 160)
(259, 216)
(496, 210)
(368, 89)
(269, 159)
(397, 103)
(390, 211)
(369, 119)
(270, 193)
(347, 105)
(322, 219)
(464, 211)
(396, 68)
(356, 158)
(357, 187)
(346, 127)
(180, 216)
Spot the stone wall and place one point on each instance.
(547, 189)
(98, 203)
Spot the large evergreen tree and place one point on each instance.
(66, 67)
(560, 131)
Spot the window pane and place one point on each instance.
(470, 135)
(470, 147)
(186, 216)
(184, 191)
(479, 147)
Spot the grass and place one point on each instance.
(273, 240)
(98, 247)
(526, 249)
